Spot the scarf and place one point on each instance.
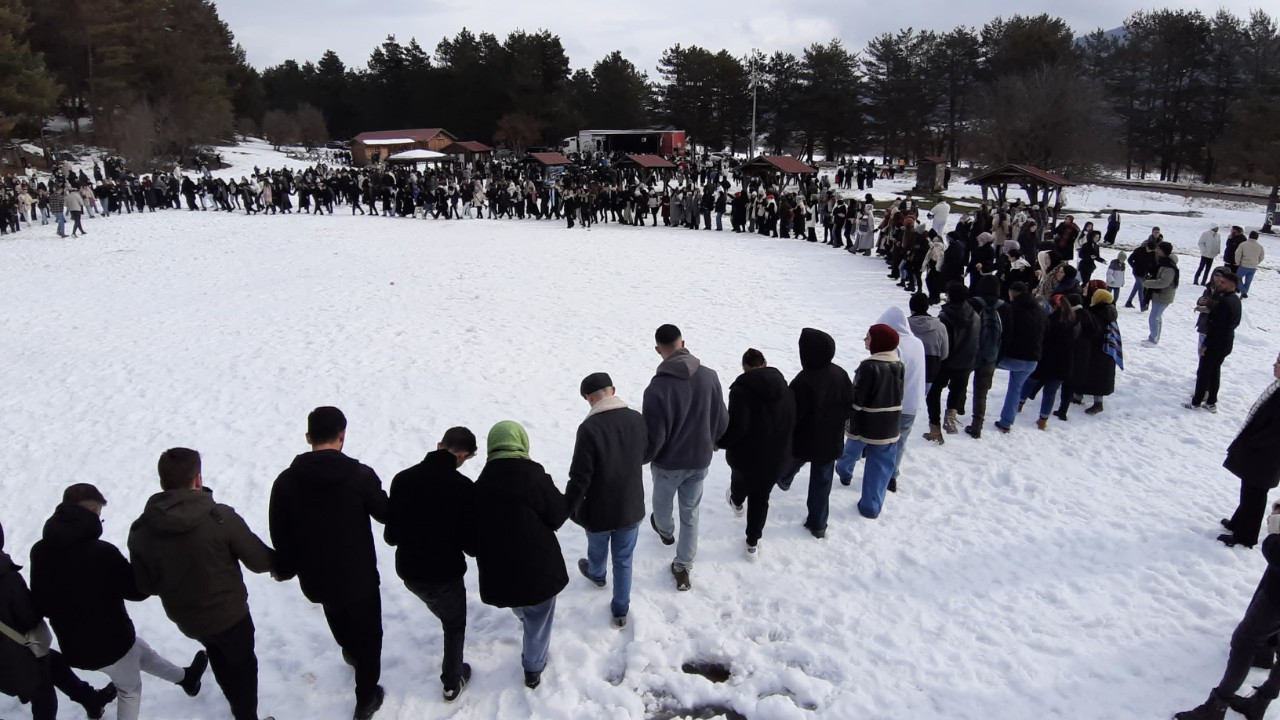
(1262, 399)
(613, 402)
(1112, 345)
(508, 440)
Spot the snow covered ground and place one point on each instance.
(1062, 574)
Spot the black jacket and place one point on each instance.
(822, 393)
(875, 416)
(515, 515)
(1057, 357)
(188, 549)
(606, 478)
(1024, 323)
(20, 671)
(426, 519)
(80, 583)
(320, 510)
(1220, 327)
(762, 418)
(1270, 583)
(1254, 456)
(1143, 260)
(964, 330)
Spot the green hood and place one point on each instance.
(508, 440)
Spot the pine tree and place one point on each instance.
(26, 88)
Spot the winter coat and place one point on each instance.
(1210, 244)
(73, 201)
(964, 329)
(685, 413)
(1269, 585)
(1221, 323)
(822, 393)
(1024, 323)
(875, 416)
(1250, 254)
(426, 519)
(80, 583)
(1164, 286)
(515, 514)
(762, 418)
(911, 352)
(606, 478)
(20, 672)
(1115, 276)
(1099, 377)
(933, 334)
(1233, 245)
(1058, 353)
(1142, 260)
(1254, 455)
(188, 549)
(320, 510)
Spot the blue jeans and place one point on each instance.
(719, 221)
(819, 500)
(1139, 291)
(536, 620)
(1047, 388)
(1019, 371)
(688, 484)
(904, 432)
(875, 478)
(623, 543)
(1246, 279)
(61, 217)
(1156, 321)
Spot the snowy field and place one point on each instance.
(1062, 574)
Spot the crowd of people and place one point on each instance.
(1013, 291)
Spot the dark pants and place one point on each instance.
(1261, 624)
(755, 493)
(357, 628)
(982, 376)
(1139, 291)
(56, 673)
(77, 228)
(448, 602)
(819, 498)
(1246, 522)
(235, 667)
(1208, 378)
(955, 379)
(1206, 268)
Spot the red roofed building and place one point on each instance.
(376, 146)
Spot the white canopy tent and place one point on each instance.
(389, 141)
(417, 156)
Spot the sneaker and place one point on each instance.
(1148, 343)
(96, 706)
(738, 511)
(1211, 408)
(190, 682)
(582, 568)
(452, 694)
(532, 679)
(846, 481)
(1229, 539)
(818, 533)
(666, 539)
(1003, 428)
(619, 621)
(753, 551)
(893, 484)
(366, 709)
(1190, 406)
(682, 578)
(1094, 409)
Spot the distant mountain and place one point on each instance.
(1114, 33)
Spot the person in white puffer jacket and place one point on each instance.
(1210, 248)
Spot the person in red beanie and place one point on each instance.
(876, 414)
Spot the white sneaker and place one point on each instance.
(753, 551)
(1148, 343)
(1189, 406)
(1211, 408)
(737, 509)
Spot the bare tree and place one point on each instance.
(133, 133)
(280, 128)
(312, 131)
(518, 130)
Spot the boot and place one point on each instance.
(192, 674)
(949, 423)
(1061, 414)
(1043, 423)
(1253, 707)
(935, 434)
(975, 430)
(1094, 409)
(1213, 709)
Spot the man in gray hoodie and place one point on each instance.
(685, 413)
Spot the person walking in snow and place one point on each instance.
(1115, 275)
(320, 510)
(1142, 261)
(188, 550)
(1248, 257)
(426, 511)
(605, 492)
(1210, 246)
(515, 513)
(822, 391)
(1219, 340)
(1254, 458)
(964, 328)
(875, 416)
(762, 418)
(80, 582)
(685, 413)
(1022, 323)
(1162, 287)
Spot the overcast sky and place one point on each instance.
(275, 30)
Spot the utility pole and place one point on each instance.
(755, 85)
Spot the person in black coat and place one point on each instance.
(762, 418)
(425, 524)
(964, 328)
(1057, 363)
(822, 391)
(80, 582)
(1254, 457)
(27, 677)
(320, 510)
(605, 494)
(1219, 341)
(515, 514)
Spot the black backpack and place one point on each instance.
(991, 332)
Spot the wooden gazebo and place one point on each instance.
(767, 166)
(1039, 184)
